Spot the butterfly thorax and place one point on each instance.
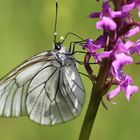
(62, 57)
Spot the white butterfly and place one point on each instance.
(47, 88)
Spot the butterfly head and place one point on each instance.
(59, 47)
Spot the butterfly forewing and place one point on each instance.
(43, 88)
(14, 87)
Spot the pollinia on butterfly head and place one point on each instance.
(46, 87)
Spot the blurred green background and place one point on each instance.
(26, 28)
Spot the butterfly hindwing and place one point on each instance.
(54, 96)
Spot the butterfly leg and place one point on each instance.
(73, 45)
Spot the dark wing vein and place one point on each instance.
(41, 90)
(35, 101)
(68, 94)
(74, 82)
(12, 103)
(7, 97)
(42, 108)
(21, 100)
(38, 73)
(73, 92)
(55, 99)
(59, 89)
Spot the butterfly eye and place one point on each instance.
(58, 46)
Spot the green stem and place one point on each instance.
(96, 96)
(90, 117)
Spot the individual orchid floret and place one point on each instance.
(106, 18)
(125, 84)
(120, 61)
(106, 11)
(130, 6)
(106, 24)
(135, 48)
(94, 46)
(90, 46)
(133, 31)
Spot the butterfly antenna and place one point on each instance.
(56, 14)
(70, 33)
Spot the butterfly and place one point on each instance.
(46, 87)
